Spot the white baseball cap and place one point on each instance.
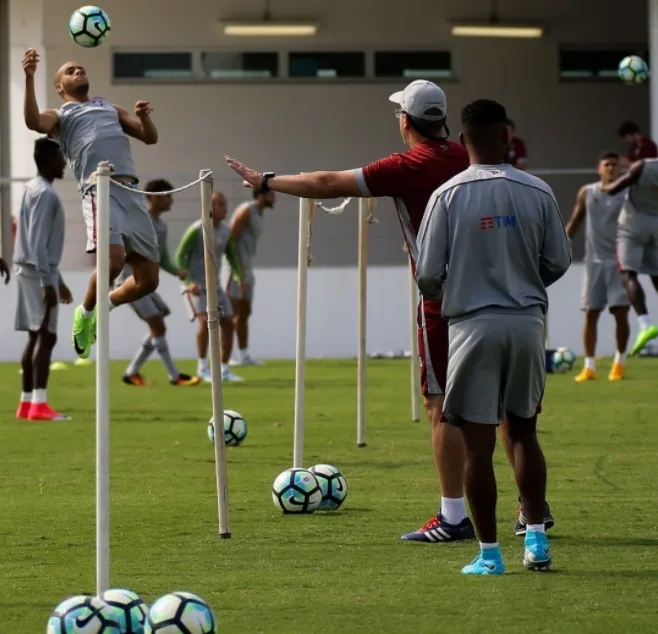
(422, 99)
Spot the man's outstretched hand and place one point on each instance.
(250, 178)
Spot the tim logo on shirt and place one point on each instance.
(497, 222)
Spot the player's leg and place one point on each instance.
(226, 336)
(27, 377)
(202, 338)
(242, 301)
(590, 335)
(158, 331)
(133, 375)
(451, 522)
(594, 299)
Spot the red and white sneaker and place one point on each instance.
(43, 411)
(23, 410)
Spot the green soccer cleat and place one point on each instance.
(643, 338)
(92, 328)
(82, 333)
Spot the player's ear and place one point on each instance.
(461, 139)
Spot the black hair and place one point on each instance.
(45, 150)
(429, 129)
(606, 156)
(484, 120)
(628, 127)
(158, 185)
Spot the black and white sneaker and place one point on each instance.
(521, 524)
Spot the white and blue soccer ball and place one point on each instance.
(129, 609)
(332, 484)
(633, 70)
(235, 429)
(563, 360)
(89, 26)
(180, 613)
(83, 614)
(296, 491)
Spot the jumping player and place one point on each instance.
(637, 239)
(509, 224)
(246, 228)
(39, 248)
(190, 256)
(602, 285)
(90, 131)
(151, 308)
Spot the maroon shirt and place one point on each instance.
(516, 150)
(644, 148)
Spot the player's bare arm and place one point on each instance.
(43, 121)
(625, 180)
(311, 185)
(578, 213)
(239, 222)
(140, 126)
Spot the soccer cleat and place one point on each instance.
(537, 554)
(585, 375)
(616, 372)
(42, 411)
(492, 565)
(134, 379)
(23, 410)
(643, 338)
(229, 377)
(186, 379)
(205, 375)
(246, 360)
(436, 529)
(92, 328)
(81, 333)
(521, 523)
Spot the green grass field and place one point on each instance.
(325, 573)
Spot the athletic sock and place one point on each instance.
(26, 397)
(225, 368)
(620, 357)
(493, 546)
(535, 528)
(244, 354)
(38, 396)
(202, 366)
(644, 321)
(86, 313)
(453, 510)
(142, 355)
(162, 347)
(590, 363)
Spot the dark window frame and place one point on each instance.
(593, 65)
(391, 64)
(180, 63)
(333, 58)
(257, 60)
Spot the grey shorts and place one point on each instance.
(496, 365)
(637, 244)
(30, 309)
(130, 222)
(602, 286)
(197, 304)
(150, 305)
(234, 290)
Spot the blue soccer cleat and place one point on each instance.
(436, 529)
(488, 562)
(537, 554)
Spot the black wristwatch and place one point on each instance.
(264, 187)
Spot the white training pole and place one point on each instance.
(212, 280)
(415, 363)
(305, 207)
(103, 379)
(362, 318)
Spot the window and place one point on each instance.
(227, 65)
(591, 64)
(171, 66)
(413, 65)
(327, 65)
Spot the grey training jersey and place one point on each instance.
(643, 195)
(40, 233)
(491, 240)
(248, 241)
(195, 259)
(89, 133)
(601, 216)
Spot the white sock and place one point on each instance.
(644, 321)
(86, 313)
(484, 546)
(244, 354)
(225, 368)
(39, 396)
(111, 305)
(590, 363)
(620, 357)
(202, 366)
(453, 510)
(536, 528)
(26, 397)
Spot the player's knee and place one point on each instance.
(628, 276)
(48, 339)
(592, 316)
(521, 429)
(117, 262)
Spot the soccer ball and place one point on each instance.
(129, 609)
(180, 613)
(89, 26)
(296, 491)
(332, 484)
(235, 429)
(83, 614)
(633, 70)
(563, 360)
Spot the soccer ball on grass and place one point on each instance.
(235, 429)
(296, 491)
(563, 360)
(83, 614)
(633, 70)
(180, 613)
(332, 484)
(129, 610)
(89, 26)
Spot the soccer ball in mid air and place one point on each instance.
(563, 360)
(332, 484)
(235, 429)
(180, 613)
(89, 26)
(296, 491)
(129, 610)
(633, 70)
(83, 614)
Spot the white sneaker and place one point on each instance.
(234, 363)
(205, 376)
(249, 360)
(229, 377)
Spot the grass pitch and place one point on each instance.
(326, 573)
